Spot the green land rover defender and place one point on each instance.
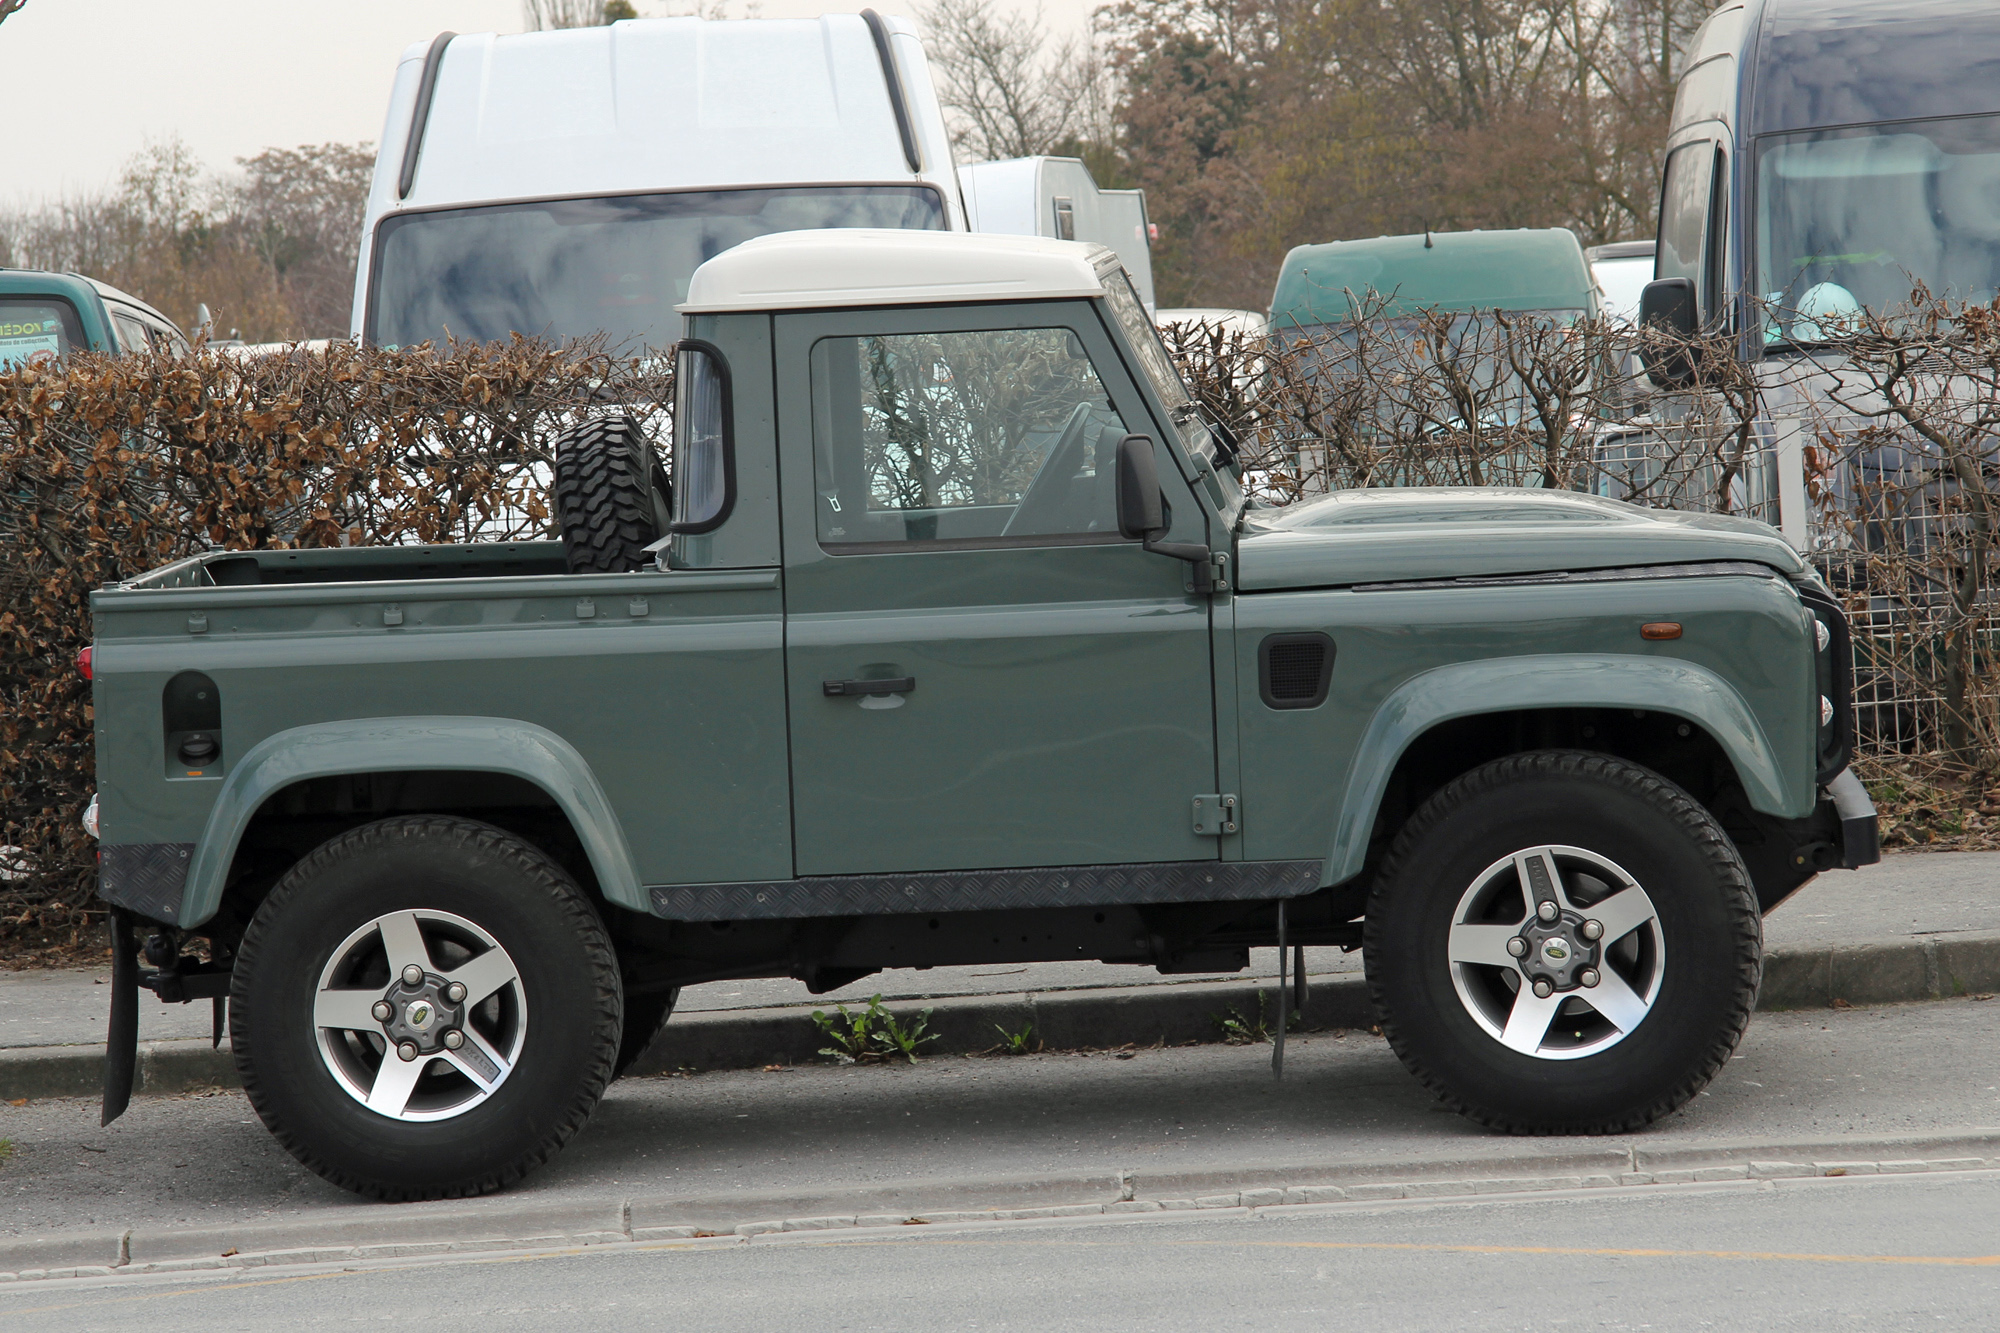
(960, 645)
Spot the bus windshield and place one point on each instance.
(570, 268)
(1852, 219)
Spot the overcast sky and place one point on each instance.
(233, 76)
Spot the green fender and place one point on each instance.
(403, 744)
(1498, 685)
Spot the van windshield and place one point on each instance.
(1851, 219)
(569, 268)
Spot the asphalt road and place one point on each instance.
(205, 1160)
(1877, 1254)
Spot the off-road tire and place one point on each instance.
(1708, 917)
(568, 972)
(611, 495)
(645, 1017)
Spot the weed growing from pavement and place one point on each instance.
(872, 1034)
(1240, 1030)
(1024, 1042)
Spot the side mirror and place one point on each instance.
(1142, 511)
(1667, 313)
(1139, 510)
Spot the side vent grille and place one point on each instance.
(1294, 670)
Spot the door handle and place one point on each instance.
(894, 685)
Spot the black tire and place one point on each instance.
(1705, 943)
(569, 1007)
(611, 495)
(645, 1016)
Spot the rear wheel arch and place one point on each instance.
(305, 781)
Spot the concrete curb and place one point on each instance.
(513, 1222)
(1928, 967)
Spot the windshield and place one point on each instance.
(34, 331)
(1850, 219)
(573, 267)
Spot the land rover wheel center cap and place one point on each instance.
(1557, 952)
(421, 1014)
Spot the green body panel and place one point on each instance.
(669, 686)
(1379, 536)
(1407, 661)
(1064, 708)
(1449, 271)
(392, 744)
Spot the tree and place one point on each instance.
(300, 210)
(544, 15)
(1007, 91)
(271, 252)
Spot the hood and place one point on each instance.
(1391, 535)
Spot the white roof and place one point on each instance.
(794, 270)
(659, 104)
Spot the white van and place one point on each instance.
(562, 183)
(1059, 198)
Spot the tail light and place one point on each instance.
(83, 664)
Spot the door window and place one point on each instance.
(991, 438)
(1692, 199)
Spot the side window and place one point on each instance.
(132, 335)
(1686, 208)
(1002, 437)
(704, 453)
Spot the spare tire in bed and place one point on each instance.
(611, 495)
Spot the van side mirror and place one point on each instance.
(1139, 511)
(1142, 511)
(1667, 313)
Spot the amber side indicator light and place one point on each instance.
(1661, 629)
(83, 662)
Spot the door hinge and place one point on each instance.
(1218, 574)
(1214, 815)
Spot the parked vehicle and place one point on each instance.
(497, 208)
(965, 648)
(1622, 270)
(1366, 311)
(1823, 157)
(1452, 272)
(43, 316)
(1058, 197)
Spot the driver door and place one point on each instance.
(981, 672)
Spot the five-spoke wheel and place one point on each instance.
(425, 1007)
(1556, 952)
(420, 1015)
(1562, 942)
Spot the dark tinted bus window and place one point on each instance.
(570, 268)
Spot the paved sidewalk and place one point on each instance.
(1916, 926)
